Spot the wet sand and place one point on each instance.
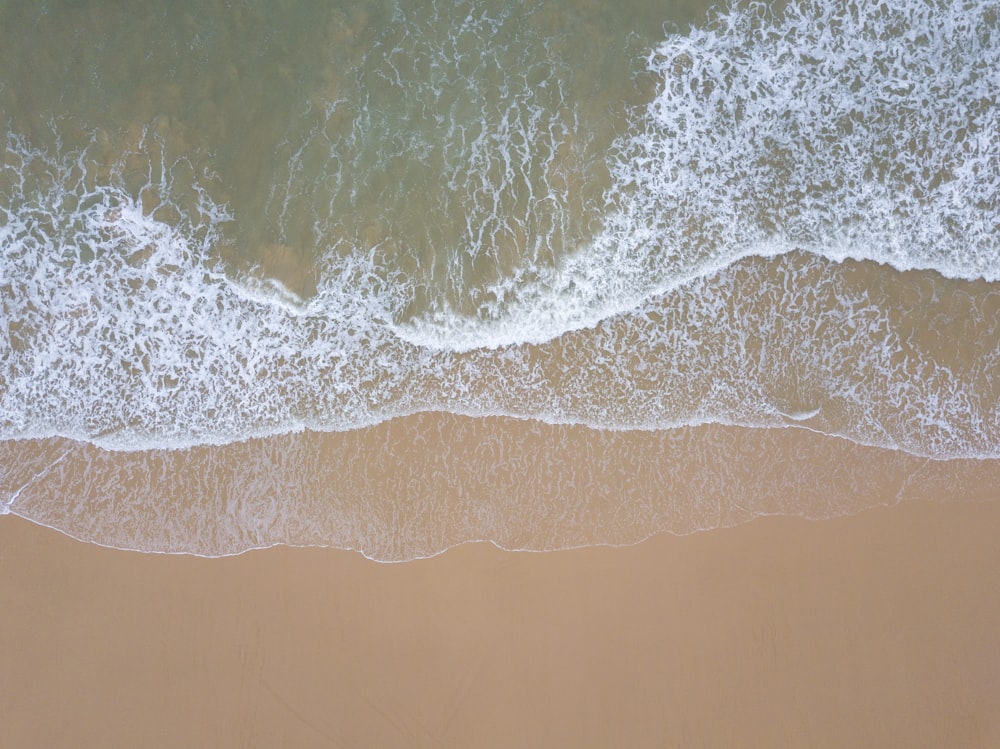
(878, 630)
(414, 486)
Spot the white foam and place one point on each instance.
(460, 125)
(864, 130)
(125, 333)
(801, 415)
(122, 331)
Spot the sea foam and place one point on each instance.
(855, 130)
(864, 130)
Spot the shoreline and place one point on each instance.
(414, 487)
(877, 630)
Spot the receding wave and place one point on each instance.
(417, 486)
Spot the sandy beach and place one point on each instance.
(877, 630)
(481, 373)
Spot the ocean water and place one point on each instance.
(745, 258)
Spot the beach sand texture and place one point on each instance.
(878, 630)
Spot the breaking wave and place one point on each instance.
(717, 284)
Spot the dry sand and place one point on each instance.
(878, 630)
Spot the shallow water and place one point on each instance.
(415, 486)
(227, 221)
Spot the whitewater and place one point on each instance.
(736, 250)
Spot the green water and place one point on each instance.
(338, 127)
